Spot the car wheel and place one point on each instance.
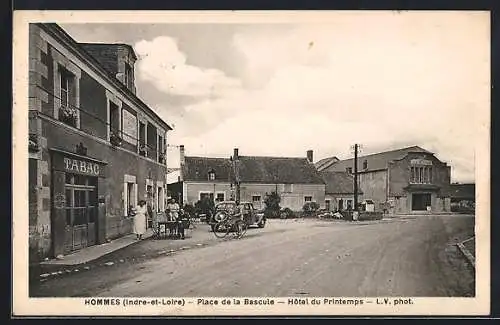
(262, 223)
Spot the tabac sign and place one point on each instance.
(80, 166)
(76, 164)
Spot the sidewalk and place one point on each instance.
(94, 252)
(123, 250)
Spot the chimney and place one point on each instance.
(235, 155)
(181, 155)
(310, 156)
(182, 162)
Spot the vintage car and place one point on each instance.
(227, 209)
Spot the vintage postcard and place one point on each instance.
(251, 163)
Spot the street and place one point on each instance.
(407, 256)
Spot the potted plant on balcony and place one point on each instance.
(33, 143)
(68, 115)
(115, 139)
(143, 150)
(162, 157)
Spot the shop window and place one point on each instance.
(130, 204)
(160, 201)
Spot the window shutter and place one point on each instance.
(125, 199)
(135, 195)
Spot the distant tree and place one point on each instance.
(310, 208)
(272, 204)
(189, 209)
(205, 206)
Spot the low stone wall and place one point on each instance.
(363, 215)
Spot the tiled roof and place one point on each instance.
(197, 168)
(272, 170)
(338, 183)
(463, 191)
(325, 161)
(375, 161)
(264, 170)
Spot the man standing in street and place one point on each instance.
(173, 208)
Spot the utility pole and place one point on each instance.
(356, 177)
(236, 181)
(238, 193)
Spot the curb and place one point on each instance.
(88, 266)
(471, 259)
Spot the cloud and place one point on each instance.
(398, 82)
(162, 64)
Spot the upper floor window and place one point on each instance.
(114, 119)
(129, 78)
(256, 198)
(161, 149)
(349, 170)
(142, 139)
(365, 164)
(308, 198)
(421, 175)
(211, 175)
(65, 82)
(68, 112)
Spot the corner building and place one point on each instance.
(403, 181)
(95, 149)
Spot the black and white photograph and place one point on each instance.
(271, 163)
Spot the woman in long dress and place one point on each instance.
(140, 219)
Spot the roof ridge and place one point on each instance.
(206, 157)
(273, 157)
(388, 151)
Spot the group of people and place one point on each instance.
(173, 212)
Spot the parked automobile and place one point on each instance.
(227, 209)
(324, 214)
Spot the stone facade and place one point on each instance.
(120, 174)
(292, 197)
(295, 179)
(340, 201)
(401, 191)
(393, 188)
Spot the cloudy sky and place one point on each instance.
(385, 81)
